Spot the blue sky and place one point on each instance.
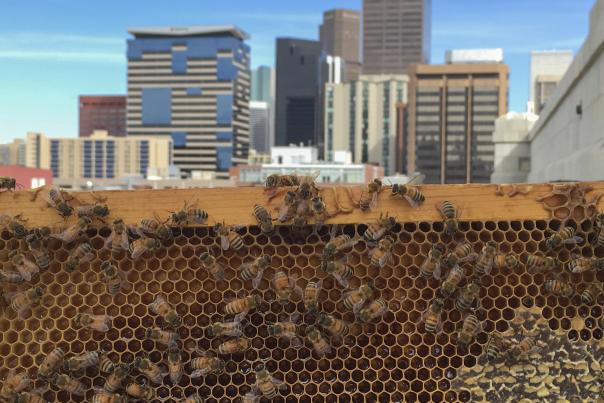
(54, 50)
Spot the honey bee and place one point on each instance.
(55, 198)
(355, 299)
(106, 365)
(175, 364)
(320, 345)
(311, 295)
(599, 240)
(100, 323)
(206, 364)
(242, 305)
(266, 384)
(298, 228)
(463, 252)
(376, 309)
(410, 193)
(369, 196)
(102, 396)
(339, 270)
(164, 337)
(581, 264)
(68, 384)
(496, 346)
(449, 286)
(505, 260)
(591, 293)
(26, 268)
(525, 346)
(209, 262)
(450, 215)
(264, 219)
(74, 231)
(288, 207)
(285, 286)
(232, 328)
(27, 397)
(15, 382)
(115, 380)
(468, 295)
(150, 370)
(275, 181)
(234, 346)
(51, 363)
(565, 236)
(189, 215)
(338, 244)
(40, 255)
(162, 308)
(139, 246)
(14, 225)
(470, 327)
(432, 316)
(319, 210)
(486, 259)
(229, 239)
(559, 288)
(192, 399)
(82, 254)
(7, 183)
(336, 327)
(118, 239)
(149, 227)
(23, 300)
(376, 230)
(114, 278)
(10, 277)
(287, 329)
(82, 361)
(254, 270)
(250, 397)
(536, 263)
(431, 267)
(139, 391)
(95, 210)
(382, 254)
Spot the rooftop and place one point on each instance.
(193, 30)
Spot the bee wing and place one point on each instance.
(437, 271)
(124, 283)
(49, 200)
(240, 316)
(374, 201)
(470, 258)
(412, 202)
(137, 252)
(224, 242)
(199, 372)
(256, 280)
(574, 239)
(124, 242)
(416, 179)
(343, 282)
(218, 272)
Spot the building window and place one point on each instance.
(193, 91)
(156, 106)
(179, 139)
(37, 182)
(143, 157)
(224, 136)
(179, 62)
(225, 69)
(224, 157)
(352, 121)
(224, 109)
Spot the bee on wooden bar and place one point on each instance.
(266, 384)
(285, 286)
(175, 364)
(242, 305)
(207, 363)
(149, 369)
(164, 337)
(287, 329)
(377, 229)
(468, 295)
(74, 231)
(319, 211)
(264, 219)
(26, 268)
(565, 236)
(287, 208)
(20, 301)
(432, 316)
(376, 309)
(233, 328)
(450, 215)
(68, 384)
(139, 246)
(486, 259)
(536, 263)
(591, 293)
(275, 181)
(339, 270)
(114, 279)
(152, 227)
(189, 215)
(82, 361)
(449, 286)
(319, 343)
(410, 193)
(100, 323)
(254, 270)
(382, 254)
(82, 254)
(229, 238)
(118, 241)
(503, 260)
(469, 329)
(162, 308)
(369, 196)
(14, 225)
(7, 183)
(558, 287)
(139, 391)
(431, 267)
(311, 295)
(56, 199)
(94, 210)
(211, 264)
(580, 264)
(51, 363)
(336, 327)
(115, 380)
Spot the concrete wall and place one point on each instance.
(565, 144)
(512, 147)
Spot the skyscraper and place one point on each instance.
(547, 68)
(263, 91)
(192, 83)
(297, 91)
(260, 136)
(396, 34)
(102, 112)
(339, 35)
(451, 116)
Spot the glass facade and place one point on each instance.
(156, 106)
(87, 159)
(54, 158)
(386, 128)
(143, 157)
(110, 159)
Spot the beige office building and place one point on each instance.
(13, 153)
(340, 34)
(99, 156)
(450, 121)
(360, 116)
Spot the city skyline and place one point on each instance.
(82, 50)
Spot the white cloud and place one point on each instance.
(47, 55)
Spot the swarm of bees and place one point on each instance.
(460, 268)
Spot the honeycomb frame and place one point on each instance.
(389, 360)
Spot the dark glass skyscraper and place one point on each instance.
(102, 112)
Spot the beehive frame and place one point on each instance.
(393, 359)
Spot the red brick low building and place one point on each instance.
(27, 178)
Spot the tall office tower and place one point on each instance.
(103, 112)
(396, 34)
(547, 68)
(360, 117)
(297, 91)
(260, 139)
(451, 115)
(192, 83)
(339, 35)
(263, 90)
